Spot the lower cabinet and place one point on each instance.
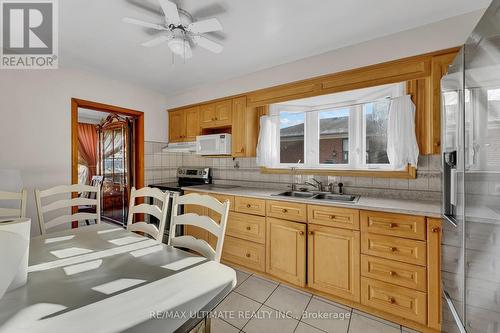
(399, 301)
(334, 261)
(244, 253)
(286, 250)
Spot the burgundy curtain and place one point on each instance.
(87, 146)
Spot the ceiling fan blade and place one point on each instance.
(212, 10)
(156, 41)
(204, 26)
(171, 12)
(188, 53)
(143, 23)
(146, 5)
(207, 44)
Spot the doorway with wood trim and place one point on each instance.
(107, 147)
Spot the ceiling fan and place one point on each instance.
(180, 31)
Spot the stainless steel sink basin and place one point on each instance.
(336, 197)
(319, 196)
(296, 194)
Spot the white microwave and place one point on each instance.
(213, 144)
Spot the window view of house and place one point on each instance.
(341, 130)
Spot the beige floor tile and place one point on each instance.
(257, 288)
(269, 320)
(236, 309)
(376, 318)
(241, 276)
(326, 316)
(362, 324)
(289, 301)
(220, 326)
(332, 303)
(304, 328)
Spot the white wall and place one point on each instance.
(436, 36)
(35, 120)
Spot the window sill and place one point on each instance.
(409, 173)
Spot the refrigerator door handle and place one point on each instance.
(451, 219)
(454, 312)
(453, 187)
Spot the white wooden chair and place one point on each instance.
(13, 213)
(204, 222)
(153, 210)
(67, 203)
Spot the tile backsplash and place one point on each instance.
(161, 167)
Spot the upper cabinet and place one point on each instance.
(184, 124)
(218, 114)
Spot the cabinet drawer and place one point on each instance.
(244, 253)
(222, 198)
(403, 302)
(287, 210)
(333, 217)
(400, 249)
(401, 274)
(249, 227)
(250, 206)
(407, 226)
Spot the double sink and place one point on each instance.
(320, 196)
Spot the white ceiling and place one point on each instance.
(258, 34)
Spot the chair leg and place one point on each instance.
(87, 222)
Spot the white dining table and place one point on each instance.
(102, 278)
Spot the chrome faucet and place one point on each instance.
(317, 184)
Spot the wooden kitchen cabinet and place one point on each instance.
(286, 250)
(245, 131)
(184, 125)
(217, 114)
(334, 261)
(176, 121)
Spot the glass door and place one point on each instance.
(115, 160)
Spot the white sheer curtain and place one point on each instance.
(268, 145)
(402, 148)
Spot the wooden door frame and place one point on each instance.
(138, 137)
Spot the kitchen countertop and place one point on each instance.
(412, 207)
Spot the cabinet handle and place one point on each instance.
(284, 210)
(392, 300)
(394, 249)
(301, 233)
(249, 206)
(392, 273)
(311, 232)
(392, 225)
(242, 150)
(436, 230)
(332, 217)
(248, 255)
(249, 228)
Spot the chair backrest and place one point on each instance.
(153, 210)
(67, 203)
(16, 213)
(204, 222)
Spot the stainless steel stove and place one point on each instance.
(185, 177)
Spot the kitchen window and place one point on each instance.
(343, 131)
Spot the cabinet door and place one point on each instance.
(286, 250)
(224, 113)
(334, 261)
(207, 115)
(239, 131)
(193, 128)
(176, 126)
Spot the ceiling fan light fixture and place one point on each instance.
(179, 46)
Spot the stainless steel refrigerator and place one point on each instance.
(471, 182)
